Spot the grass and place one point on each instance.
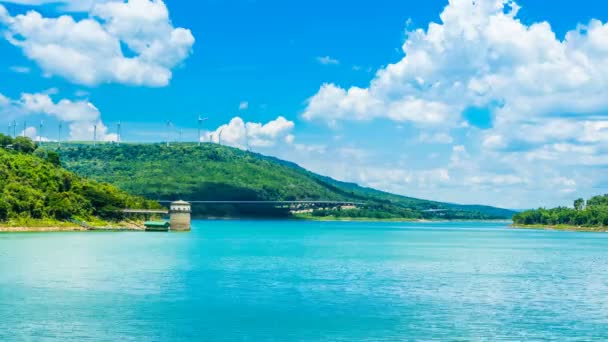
(50, 225)
(35, 223)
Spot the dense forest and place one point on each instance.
(590, 213)
(215, 172)
(34, 186)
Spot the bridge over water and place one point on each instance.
(180, 214)
(274, 202)
(289, 204)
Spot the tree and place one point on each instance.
(53, 158)
(5, 140)
(23, 144)
(31, 188)
(579, 204)
(592, 213)
(4, 210)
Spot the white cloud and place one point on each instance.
(20, 69)
(398, 180)
(547, 99)
(85, 131)
(565, 185)
(310, 148)
(65, 5)
(29, 132)
(32, 133)
(495, 180)
(326, 60)
(4, 101)
(65, 110)
(436, 138)
(289, 138)
(265, 135)
(81, 116)
(239, 134)
(243, 105)
(478, 55)
(90, 51)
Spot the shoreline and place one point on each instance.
(563, 228)
(41, 229)
(63, 229)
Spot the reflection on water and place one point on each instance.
(306, 281)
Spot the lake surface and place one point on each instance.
(252, 281)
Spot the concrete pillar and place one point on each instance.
(180, 216)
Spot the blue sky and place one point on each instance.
(508, 111)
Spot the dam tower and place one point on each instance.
(180, 216)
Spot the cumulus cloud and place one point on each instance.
(528, 105)
(65, 110)
(81, 116)
(239, 134)
(30, 132)
(85, 131)
(480, 54)
(90, 51)
(243, 105)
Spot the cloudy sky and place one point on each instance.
(488, 101)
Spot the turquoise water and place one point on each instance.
(281, 281)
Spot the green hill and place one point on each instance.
(35, 188)
(214, 172)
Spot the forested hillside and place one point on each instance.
(34, 186)
(214, 172)
(590, 213)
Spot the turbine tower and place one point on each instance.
(14, 128)
(59, 136)
(24, 128)
(94, 135)
(40, 132)
(169, 133)
(118, 133)
(247, 138)
(200, 123)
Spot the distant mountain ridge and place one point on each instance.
(215, 172)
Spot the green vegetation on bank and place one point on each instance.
(214, 172)
(592, 213)
(36, 191)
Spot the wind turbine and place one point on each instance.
(14, 128)
(24, 127)
(118, 133)
(169, 131)
(59, 137)
(200, 123)
(94, 135)
(40, 133)
(247, 138)
(219, 140)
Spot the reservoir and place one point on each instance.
(308, 281)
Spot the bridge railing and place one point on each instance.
(145, 211)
